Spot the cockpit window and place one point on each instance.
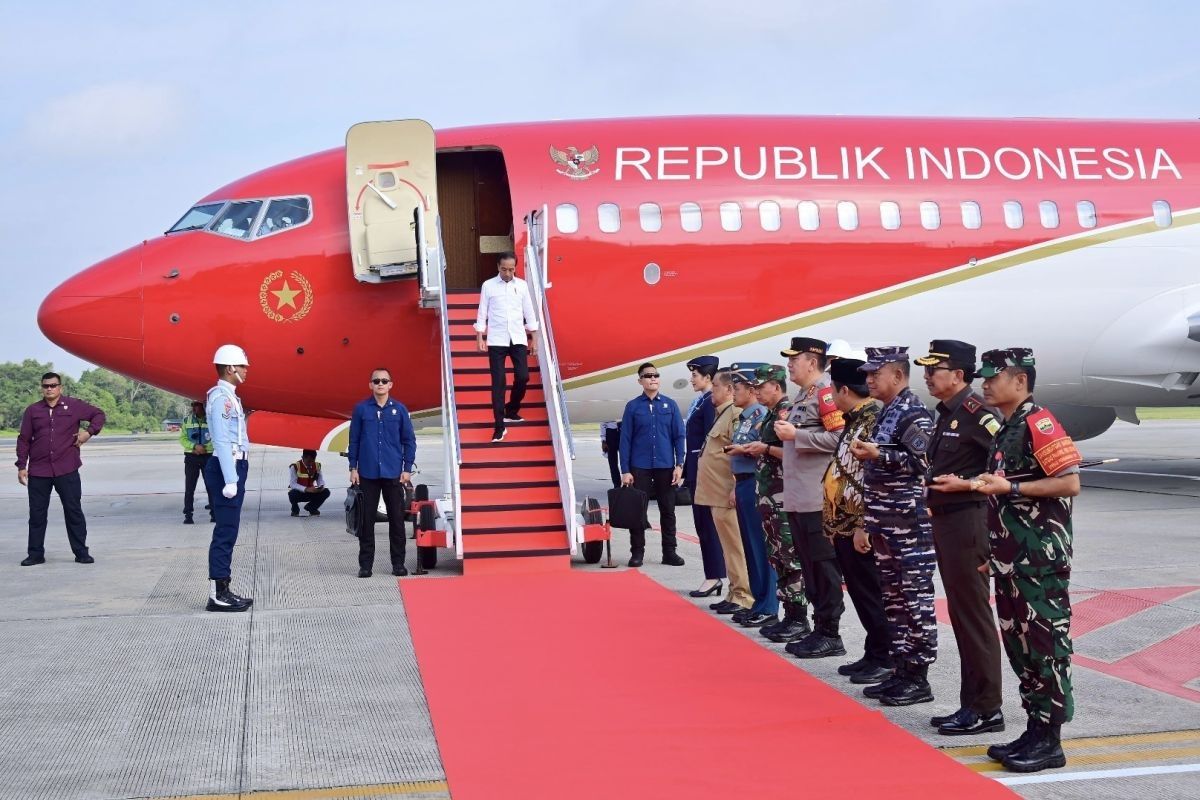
(197, 217)
(237, 220)
(284, 213)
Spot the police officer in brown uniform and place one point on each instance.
(957, 452)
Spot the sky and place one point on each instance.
(116, 117)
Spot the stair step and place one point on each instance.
(486, 371)
(479, 486)
(516, 433)
(524, 423)
(485, 474)
(499, 456)
(469, 379)
(547, 551)
(521, 542)
(499, 530)
(513, 517)
(457, 304)
(491, 497)
(481, 387)
(477, 504)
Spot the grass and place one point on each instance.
(1168, 413)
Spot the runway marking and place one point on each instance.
(1142, 474)
(1058, 777)
(332, 793)
(1093, 741)
(1107, 758)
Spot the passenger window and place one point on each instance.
(285, 213)
(1086, 210)
(768, 215)
(238, 219)
(1162, 213)
(810, 215)
(931, 216)
(972, 217)
(566, 217)
(889, 215)
(197, 217)
(609, 215)
(847, 215)
(731, 216)
(651, 217)
(1014, 217)
(1048, 210)
(690, 217)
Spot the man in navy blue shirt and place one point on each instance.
(382, 449)
(651, 455)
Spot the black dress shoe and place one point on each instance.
(740, 615)
(635, 560)
(1042, 751)
(938, 722)
(709, 592)
(757, 620)
(364, 573)
(84, 560)
(33, 561)
(673, 559)
(872, 673)
(967, 722)
(726, 607)
(188, 520)
(908, 692)
(817, 645)
(853, 666)
(400, 571)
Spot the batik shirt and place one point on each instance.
(843, 511)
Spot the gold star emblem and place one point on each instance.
(286, 296)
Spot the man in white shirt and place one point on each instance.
(506, 317)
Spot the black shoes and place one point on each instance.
(817, 645)
(220, 598)
(876, 691)
(725, 607)
(33, 561)
(853, 667)
(84, 559)
(635, 560)
(400, 571)
(312, 512)
(757, 620)
(187, 520)
(709, 592)
(792, 630)
(872, 673)
(673, 559)
(998, 752)
(513, 418)
(1043, 750)
(364, 573)
(966, 722)
(937, 722)
(909, 690)
(499, 434)
(295, 511)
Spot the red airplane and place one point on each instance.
(672, 237)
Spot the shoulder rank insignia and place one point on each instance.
(990, 422)
(1052, 447)
(971, 404)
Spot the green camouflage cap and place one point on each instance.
(995, 361)
(743, 372)
(770, 372)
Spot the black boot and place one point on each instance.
(914, 689)
(999, 752)
(1043, 751)
(221, 599)
(876, 691)
(818, 644)
(795, 626)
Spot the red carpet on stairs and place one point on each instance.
(570, 685)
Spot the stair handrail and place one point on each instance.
(451, 441)
(552, 387)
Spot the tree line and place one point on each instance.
(128, 404)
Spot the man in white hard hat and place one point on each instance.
(225, 473)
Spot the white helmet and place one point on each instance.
(231, 355)
(839, 348)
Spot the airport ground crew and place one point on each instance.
(898, 523)
(696, 424)
(809, 435)
(1029, 523)
(197, 447)
(306, 484)
(225, 473)
(789, 574)
(957, 453)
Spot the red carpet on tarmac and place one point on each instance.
(607, 685)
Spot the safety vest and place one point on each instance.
(302, 476)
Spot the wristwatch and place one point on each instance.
(1014, 490)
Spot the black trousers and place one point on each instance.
(612, 439)
(193, 466)
(70, 494)
(656, 483)
(519, 355)
(866, 593)
(393, 501)
(960, 539)
(818, 562)
(312, 500)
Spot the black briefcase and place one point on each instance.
(627, 508)
(354, 509)
(683, 495)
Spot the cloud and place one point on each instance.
(111, 119)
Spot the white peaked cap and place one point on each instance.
(231, 355)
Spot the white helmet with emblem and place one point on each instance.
(231, 355)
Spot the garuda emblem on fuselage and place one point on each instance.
(575, 165)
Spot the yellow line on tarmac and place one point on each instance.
(1092, 741)
(332, 793)
(1087, 759)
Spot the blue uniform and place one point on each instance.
(231, 445)
(700, 418)
(382, 441)
(652, 434)
(762, 575)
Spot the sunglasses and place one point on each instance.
(51, 385)
(649, 376)
(931, 370)
(381, 381)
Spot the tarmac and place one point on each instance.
(115, 683)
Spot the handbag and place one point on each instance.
(354, 509)
(627, 508)
(683, 495)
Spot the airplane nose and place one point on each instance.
(97, 314)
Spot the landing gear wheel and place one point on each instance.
(593, 552)
(592, 515)
(426, 556)
(422, 493)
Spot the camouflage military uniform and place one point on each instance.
(1031, 563)
(781, 555)
(898, 523)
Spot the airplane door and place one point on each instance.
(391, 194)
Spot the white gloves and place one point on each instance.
(230, 490)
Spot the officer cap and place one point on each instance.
(743, 372)
(705, 365)
(803, 344)
(878, 356)
(231, 355)
(770, 372)
(845, 371)
(996, 361)
(950, 350)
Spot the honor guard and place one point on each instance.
(1032, 475)
(898, 524)
(957, 453)
(225, 473)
